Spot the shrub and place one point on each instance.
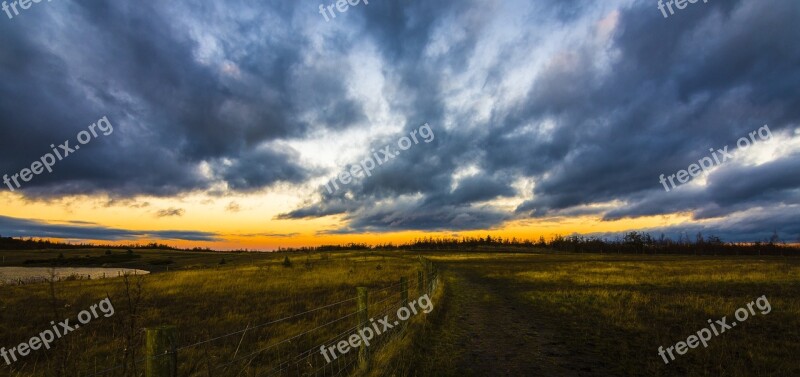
(287, 262)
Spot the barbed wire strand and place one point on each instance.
(305, 355)
(297, 359)
(285, 340)
(266, 324)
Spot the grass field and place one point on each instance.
(607, 315)
(205, 300)
(519, 314)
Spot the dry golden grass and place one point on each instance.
(207, 303)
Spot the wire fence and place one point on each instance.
(265, 350)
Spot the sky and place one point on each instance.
(219, 124)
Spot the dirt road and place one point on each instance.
(486, 328)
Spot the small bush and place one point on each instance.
(287, 262)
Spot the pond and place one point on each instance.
(27, 275)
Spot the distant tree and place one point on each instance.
(774, 239)
(683, 239)
(634, 241)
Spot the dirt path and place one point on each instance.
(487, 329)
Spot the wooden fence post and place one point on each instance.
(434, 278)
(404, 290)
(162, 358)
(404, 296)
(421, 282)
(363, 322)
(428, 277)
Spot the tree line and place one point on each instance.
(628, 243)
(10, 243)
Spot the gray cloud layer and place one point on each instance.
(15, 227)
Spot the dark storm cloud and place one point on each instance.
(476, 189)
(259, 169)
(425, 170)
(670, 90)
(174, 104)
(665, 103)
(412, 216)
(728, 191)
(15, 227)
